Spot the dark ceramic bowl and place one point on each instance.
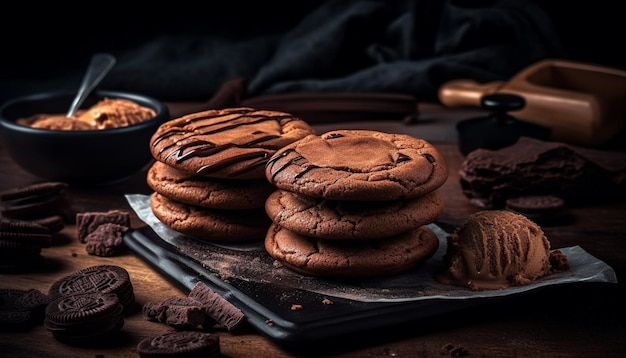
(81, 157)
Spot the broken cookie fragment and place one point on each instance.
(88, 222)
(106, 239)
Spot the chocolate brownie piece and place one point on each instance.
(358, 165)
(84, 318)
(180, 344)
(88, 222)
(106, 240)
(21, 243)
(231, 143)
(534, 167)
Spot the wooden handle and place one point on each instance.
(466, 92)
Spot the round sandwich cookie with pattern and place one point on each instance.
(214, 193)
(210, 224)
(21, 243)
(84, 318)
(332, 219)
(180, 344)
(358, 165)
(20, 309)
(350, 259)
(231, 143)
(99, 278)
(542, 209)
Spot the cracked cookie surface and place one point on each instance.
(208, 192)
(209, 224)
(332, 219)
(350, 258)
(358, 165)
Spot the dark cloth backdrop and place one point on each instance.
(184, 54)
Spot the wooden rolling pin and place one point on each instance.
(582, 103)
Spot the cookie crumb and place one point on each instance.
(452, 351)
(269, 322)
(296, 307)
(326, 301)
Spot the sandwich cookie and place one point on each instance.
(84, 318)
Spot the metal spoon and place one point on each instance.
(99, 66)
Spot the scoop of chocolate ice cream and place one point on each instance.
(496, 249)
(115, 112)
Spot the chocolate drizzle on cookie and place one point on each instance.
(429, 157)
(226, 143)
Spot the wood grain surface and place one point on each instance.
(575, 320)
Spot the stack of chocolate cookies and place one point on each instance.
(208, 178)
(354, 203)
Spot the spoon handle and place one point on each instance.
(99, 66)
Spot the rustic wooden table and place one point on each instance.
(574, 320)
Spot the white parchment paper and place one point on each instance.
(250, 262)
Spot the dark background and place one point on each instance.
(45, 44)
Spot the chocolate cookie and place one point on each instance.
(44, 202)
(358, 165)
(106, 240)
(180, 344)
(227, 143)
(21, 309)
(100, 279)
(209, 224)
(214, 193)
(21, 243)
(542, 209)
(88, 222)
(331, 219)
(350, 258)
(84, 317)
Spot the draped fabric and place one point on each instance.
(396, 46)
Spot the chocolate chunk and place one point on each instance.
(88, 222)
(218, 308)
(534, 167)
(106, 240)
(85, 317)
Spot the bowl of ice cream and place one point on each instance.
(106, 141)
